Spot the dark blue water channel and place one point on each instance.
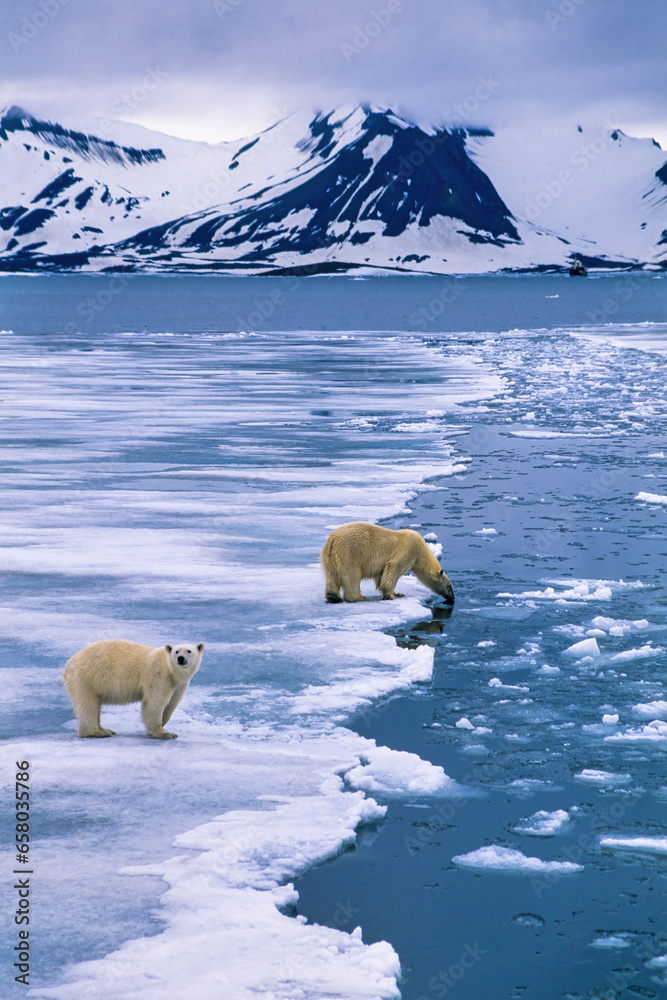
(563, 509)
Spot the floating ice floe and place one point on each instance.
(464, 723)
(642, 653)
(592, 776)
(496, 682)
(542, 823)
(651, 498)
(654, 732)
(527, 786)
(612, 941)
(421, 427)
(576, 591)
(587, 647)
(651, 710)
(507, 859)
(486, 531)
(617, 626)
(645, 845)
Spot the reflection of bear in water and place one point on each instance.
(361, 551)
(116, 672)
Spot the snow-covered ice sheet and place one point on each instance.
(172, 487)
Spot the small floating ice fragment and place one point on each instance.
(587, 647)
(611, 941)
(496, 858)
(651, 710)
(542, 823)
(648, 845)
(651, 498)
(528, 920)
(496, 682)
(464, 724)
(642, 653)
(655, 731)
(592, 776)
(527, 786)
(576, 590)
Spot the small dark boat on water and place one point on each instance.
(577, 269)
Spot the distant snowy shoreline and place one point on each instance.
(357, 189)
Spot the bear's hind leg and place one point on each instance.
(88, 710)
(332, 589)
(351, 590)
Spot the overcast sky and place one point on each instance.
(218, 69)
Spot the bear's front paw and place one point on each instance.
(163, 736)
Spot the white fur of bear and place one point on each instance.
(361, 551)
(116, 672)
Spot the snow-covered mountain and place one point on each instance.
(326, 192)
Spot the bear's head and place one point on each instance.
(444, 587)
(185, 657)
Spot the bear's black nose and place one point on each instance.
(182, 660)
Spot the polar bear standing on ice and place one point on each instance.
(361, 551)
(116, 672)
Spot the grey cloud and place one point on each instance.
(567, 57)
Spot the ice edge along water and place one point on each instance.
(229, 881)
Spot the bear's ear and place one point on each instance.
(200, 647)
(169, 648)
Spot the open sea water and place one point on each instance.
(370, 800)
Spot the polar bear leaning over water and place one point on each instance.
(116, 672)
(361, 551)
